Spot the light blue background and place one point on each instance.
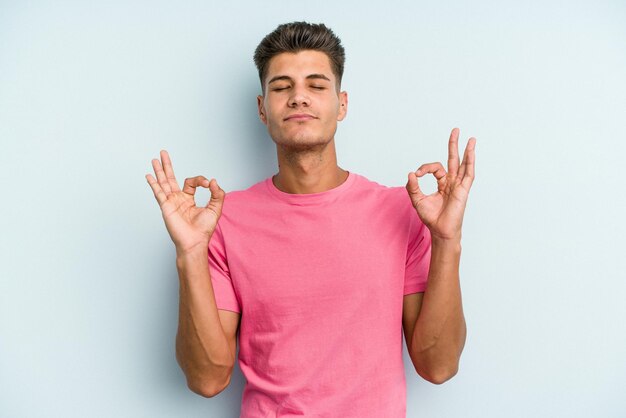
(89, 94)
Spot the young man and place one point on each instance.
(316, 268)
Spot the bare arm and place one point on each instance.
(435, 329)
(433, 321)
(206, 338)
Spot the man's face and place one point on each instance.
(301, 105)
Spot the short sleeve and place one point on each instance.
(417, 256)
(225, 296)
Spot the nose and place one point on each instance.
(299, 97)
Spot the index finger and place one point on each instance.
(169, 171)
(453, 152)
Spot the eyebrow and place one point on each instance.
(309, 77)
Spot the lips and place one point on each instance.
(299, 117)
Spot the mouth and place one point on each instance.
(300, 117)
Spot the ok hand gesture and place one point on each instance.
(189, 226)
(442, 211)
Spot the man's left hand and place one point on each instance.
(442, 211)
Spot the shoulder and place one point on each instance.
(394, 197)
(245, 207)
(394, 202)
(237, 199)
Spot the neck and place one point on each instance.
(312, 170)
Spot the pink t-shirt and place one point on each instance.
(319, 281)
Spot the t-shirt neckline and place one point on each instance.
(304, 199)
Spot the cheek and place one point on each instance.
(270, 112)
(334, 112)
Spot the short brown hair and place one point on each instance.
(297, 36)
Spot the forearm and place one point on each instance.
(202, 349)
(439, 333)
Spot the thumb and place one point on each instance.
(413, 188)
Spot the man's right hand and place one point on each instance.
(189, 226)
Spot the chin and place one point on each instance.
(301, 140)
(302, 146)
(301, 143)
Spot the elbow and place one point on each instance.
(208, 383)
(440, 375)
(437, 372)
(208, 388)
(437, 366)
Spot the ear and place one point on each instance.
(259, 103)
(343, 105)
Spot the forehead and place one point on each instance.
(300, 64)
